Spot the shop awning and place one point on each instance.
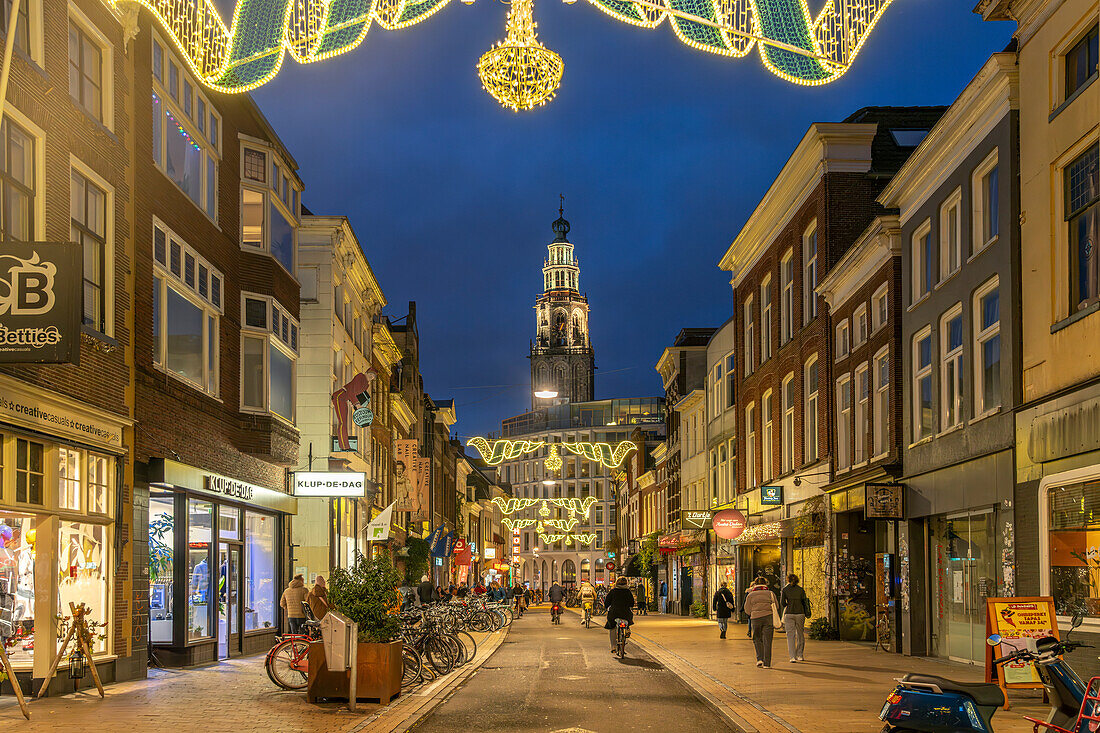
(765, 532)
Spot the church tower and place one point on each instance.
(561, 354)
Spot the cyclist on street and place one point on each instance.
(620, 605)
(556, 595)
(587, 597)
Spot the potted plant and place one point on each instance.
(367, 594)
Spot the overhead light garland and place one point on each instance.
(498, 451)
(519, 72)
(575, 506)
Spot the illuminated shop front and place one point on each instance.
(215, 565)
(59, 464)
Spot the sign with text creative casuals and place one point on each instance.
(695, 518)
(40, 300)
(330, 483)
(729, 524)
(884, 501)
(771, 495)
(1016, 620)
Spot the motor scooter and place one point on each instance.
(932, 704)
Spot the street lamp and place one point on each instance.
(548, 482)
(546, 394)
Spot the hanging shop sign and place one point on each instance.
(695, 518)
(40, 302)
(410, 473)
(728, 524)
(609, 565)
(330, 483)
(884, 501)
(352, 404)
(490, 553)
(771, 495)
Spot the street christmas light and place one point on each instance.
(546, 394)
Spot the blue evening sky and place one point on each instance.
(662, 153)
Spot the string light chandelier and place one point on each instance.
(518, 72)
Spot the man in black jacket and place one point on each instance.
(620, 605)
(426, 591)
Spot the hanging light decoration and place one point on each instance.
(519, 72)
(78, 664)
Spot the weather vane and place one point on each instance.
(519, 72)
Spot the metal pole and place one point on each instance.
(9, 45)
(353, 656)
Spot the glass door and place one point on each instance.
(229, 630)
(963, 547)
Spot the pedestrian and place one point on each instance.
(664, 597)
(291, 602)
(445, 594)
(723, 606)
(528, 596)
(318, 598)
(760, 605)
(426, 591)
(462, 591)
(620, 605)
(642, 607)
(794, 606)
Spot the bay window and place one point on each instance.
(269, 206)
(951, 375)
(187, 309)
(987, 348)
(269, 354)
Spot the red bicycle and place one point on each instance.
(287, 663)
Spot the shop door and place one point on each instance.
(229, 629)
(964, 546)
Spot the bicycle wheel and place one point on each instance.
(439, 654)
(468, 642)
(414, 667)
(481, 622)
(459, 649)
(286, 664)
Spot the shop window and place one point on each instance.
(1074, 521)
(229, 523)
(260, 591)
(162, 522)
(68, 479)
(82, 559)
(199, 593)
(17, 557)
(29, 475)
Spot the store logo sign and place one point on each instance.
(40, 300)
(230, 487)
(729, 524)
(695, 518)
(330, 483)
(771, 495)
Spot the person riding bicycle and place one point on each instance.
(620, 605)
(556, 595)
(587, 596)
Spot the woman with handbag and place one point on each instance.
(763, 611)
(723, 607)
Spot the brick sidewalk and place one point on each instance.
(840, 688)
(234, 695)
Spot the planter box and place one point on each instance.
(380, 667)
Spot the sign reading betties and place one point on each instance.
(40, 288)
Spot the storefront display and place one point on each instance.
(1074, 513)
(17, 572)
(964, 572)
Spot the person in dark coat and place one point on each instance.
(724, 606)
(426, 591)
(642, 607)
(620, 605)
(794, 606)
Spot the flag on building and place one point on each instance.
(379, 528)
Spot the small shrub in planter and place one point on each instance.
(699, 609)
(367, 594)
(820, 629)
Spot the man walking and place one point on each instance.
(723, 608)
(664, 597)
(794, 605)
(426, 591)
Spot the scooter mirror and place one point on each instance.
(1078, 619)
(993, 640)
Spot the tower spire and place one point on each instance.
(561, 209)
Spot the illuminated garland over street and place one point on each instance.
(519, 72)
(499, 451)
(575, 506)
(585, 539)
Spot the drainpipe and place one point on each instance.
(9, 46)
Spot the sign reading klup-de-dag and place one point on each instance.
(40, 286)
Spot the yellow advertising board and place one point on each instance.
(1016, 620)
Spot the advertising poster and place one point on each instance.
(40, 302)
(1016, 620)
(406, 474)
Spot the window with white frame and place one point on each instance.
(68, 479)
(22, 27)
(750, 337)
(766, 319)
(788, 424)
(731, 379)
(809, 273)
(88, 228)
(951, 234)
(187, 309)
(882, 403)
(269, 206)
(750, 446)
(269, 356)
(880, 308)
(767, 446)
(861, 326)
(185, 131)
(987, 348)
(844, 422)
(716, 390)
(1081, 62)
(922, 385)
(985, 188)
(786, 303)
(17, 174)
(951, 374)
(731, 471)
(922, 260)
(862, 413)
(843, 339)
(810, 411)
(88, 68)
(1082, 197)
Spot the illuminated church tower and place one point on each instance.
(561, 354)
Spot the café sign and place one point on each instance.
(884, 501)
(729, 524)
(40, 302)
(695, 518)
(330, 483)
(771, 495)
